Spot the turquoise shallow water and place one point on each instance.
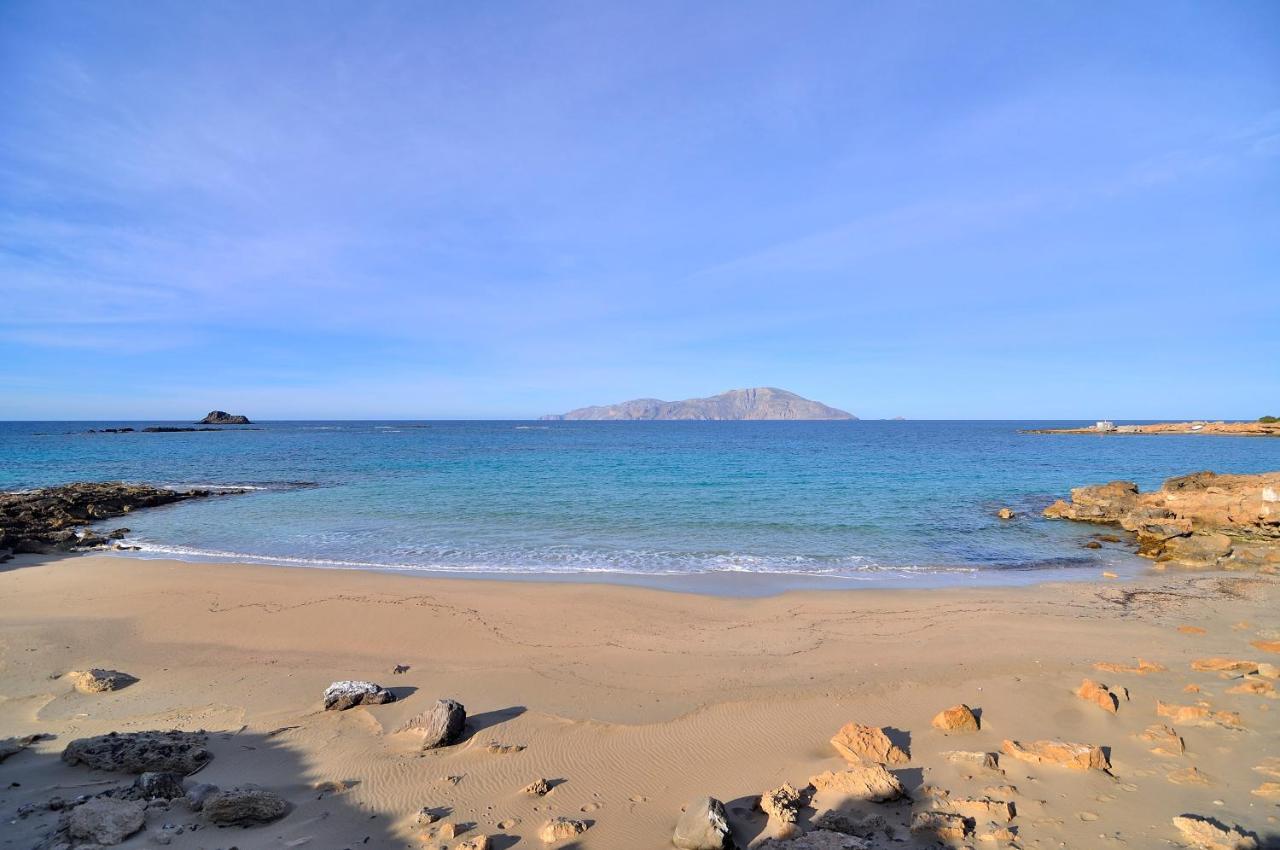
(875, 502)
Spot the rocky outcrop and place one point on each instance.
(438, 726)
(957, 718)
(50, 519)
(703, 826)
(245, 805)
(869, 782)
(97, 681)
(755, 403)
(818, 839)
(141, 752)
(859, 743)
(1063, 753)
(1098, 694)
(157, 786)
(106, 821)
(1207, 834)
(348, 694)
(1259, 428)
(560, 829)
(1195, 520)
(221, 417)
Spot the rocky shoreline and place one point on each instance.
(1237, 429)
(1199, 520)
(55, 519)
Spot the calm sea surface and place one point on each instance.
(813, 503)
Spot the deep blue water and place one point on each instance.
(881, 501)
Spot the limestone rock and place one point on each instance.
(343, 695)
(536, 788)
(438, 726)
(840, 820)
(1142, 668)
(1269, 766)
(989, 761)
(958, 718)
(1225, 665)
(782, 804)
(141, 752)
(703, 826)
(982, 809)
(869, 782)
(106, 820)
(944, 826)
(1187, 776)
(1098, 694)
(559, 829)
(1197, 550)
(1257, 687)
(1198, 715)
(859, 743)
(818, 839)
(1267, 790)
(244, 805)
(1164, 741)
(97, 680)
(1266, 645)
(1064, 753)
(478, 842)
(1207, 834)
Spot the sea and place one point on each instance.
(733, 507)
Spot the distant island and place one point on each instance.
(756, 403)
(221, 417)
(1267, 426)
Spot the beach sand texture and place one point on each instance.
(631, 703)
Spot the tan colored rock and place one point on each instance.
(1269, 671)
(944, 826)
(982, 809)
(989, 761)
(1224, 665)
(859, 743)
(560, 829)
(1164, 741)
(536, 788)
(1266, 645)
(1006, 513)
(99, 681)
(957, 718)
(1192, 688)
(1269, 767)
(1207, 834)
(1192, 630)
(1065, 753)
(479, 842)
(996, 832)
(1268, 790)
(1187, 776)
(1257, 687)
(1109, 574)
(1198, 715)
(1098, 694)
(782, 804)
(447, 831)
(861, 782)
(1142, 668)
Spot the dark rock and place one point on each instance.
(440, 725)
(221, 417)
(141, 752)
(348, 694)
(245, 805)
(118, 534)
(198, 793)
(13, 746)
(158, 786)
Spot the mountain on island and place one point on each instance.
(221, 417)
(754, 403)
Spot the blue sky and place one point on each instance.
(935, 210)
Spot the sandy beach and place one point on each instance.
(630, 702)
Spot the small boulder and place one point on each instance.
(1064, 753)
(245, 805)
(158, 786)
(478, 842)
(1208, 834)
(141, 752)
(536, 788)
(106, 820)
(561, 828)
(1099, 695)
(348, 694)
(1006, 513)
(703, 826)
(859, 743)
(438, 726)
(97, 680)
(989, 761)
(1164, 741)
(782, 804)
(198, 793)
(943, 826)
(957, 718)
(870, 782)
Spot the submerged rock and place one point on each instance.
(141, 752)
(703, 826)
(348, 694)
